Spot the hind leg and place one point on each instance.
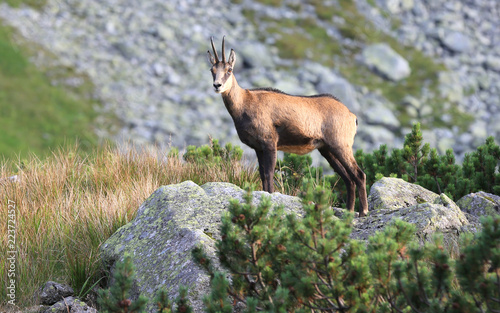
(346, 158)
(339, 169)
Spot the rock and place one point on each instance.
(339, 87)
(126, 49)
(395, 193)
(478, 129)
(493, 63)
(375, 134)
(12, 179)
(449, 86)
(165, 33)
(480, 204)
(456, 41)
(53, 292)
(397, 6)
(377, 113)
(168, 225)
(392, 198)
(70, 305)
(386, 62)
(254, 54)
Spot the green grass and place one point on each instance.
(274, 3)
(37, 111)
(37, 4)
(68, 204)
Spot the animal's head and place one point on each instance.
(221, 70)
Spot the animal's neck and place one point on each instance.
(233, 99)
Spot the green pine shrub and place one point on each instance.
(282, 263)
(116, 298)
(416, 162)
(213, 153)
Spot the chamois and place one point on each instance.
(268, 120)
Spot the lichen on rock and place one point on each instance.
(395, 193)
(480, 204)
(392, 198)
(169, 224)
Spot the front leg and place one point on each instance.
(267, 164)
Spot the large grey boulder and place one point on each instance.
(169, 224)
(339, 87)
(480, 204)
(395, 193)
(393, 198)
(255, 54)
(386, 62)
(379, 113)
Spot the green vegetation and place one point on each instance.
(419, 164)
(416, 162)
(70, 202)
(307, 38)
(274, 3)
(116, 298)
(37, 114)
(280, 264)
(37, 4)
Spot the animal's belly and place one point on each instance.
(304, 149)
(298, 147)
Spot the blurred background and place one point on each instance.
(137, 72)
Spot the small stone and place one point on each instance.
(398, 6)
(493, 63)
(70, 305)
(165, 33)
(450, 87)
(377, 113)
(456, 42)
(53, 292)
(110, 27)
(125, 49)
(158, 69)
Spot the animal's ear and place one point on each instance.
(232, 58)
(211, 59)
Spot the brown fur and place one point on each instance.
(268, 120)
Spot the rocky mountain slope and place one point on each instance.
(392, 62)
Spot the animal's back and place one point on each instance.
(303, 122)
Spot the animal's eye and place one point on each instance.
(229, 70)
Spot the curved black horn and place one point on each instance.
(223, 51)
(215, 51)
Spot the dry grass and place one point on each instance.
(67, 205)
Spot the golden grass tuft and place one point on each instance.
(68, 204)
